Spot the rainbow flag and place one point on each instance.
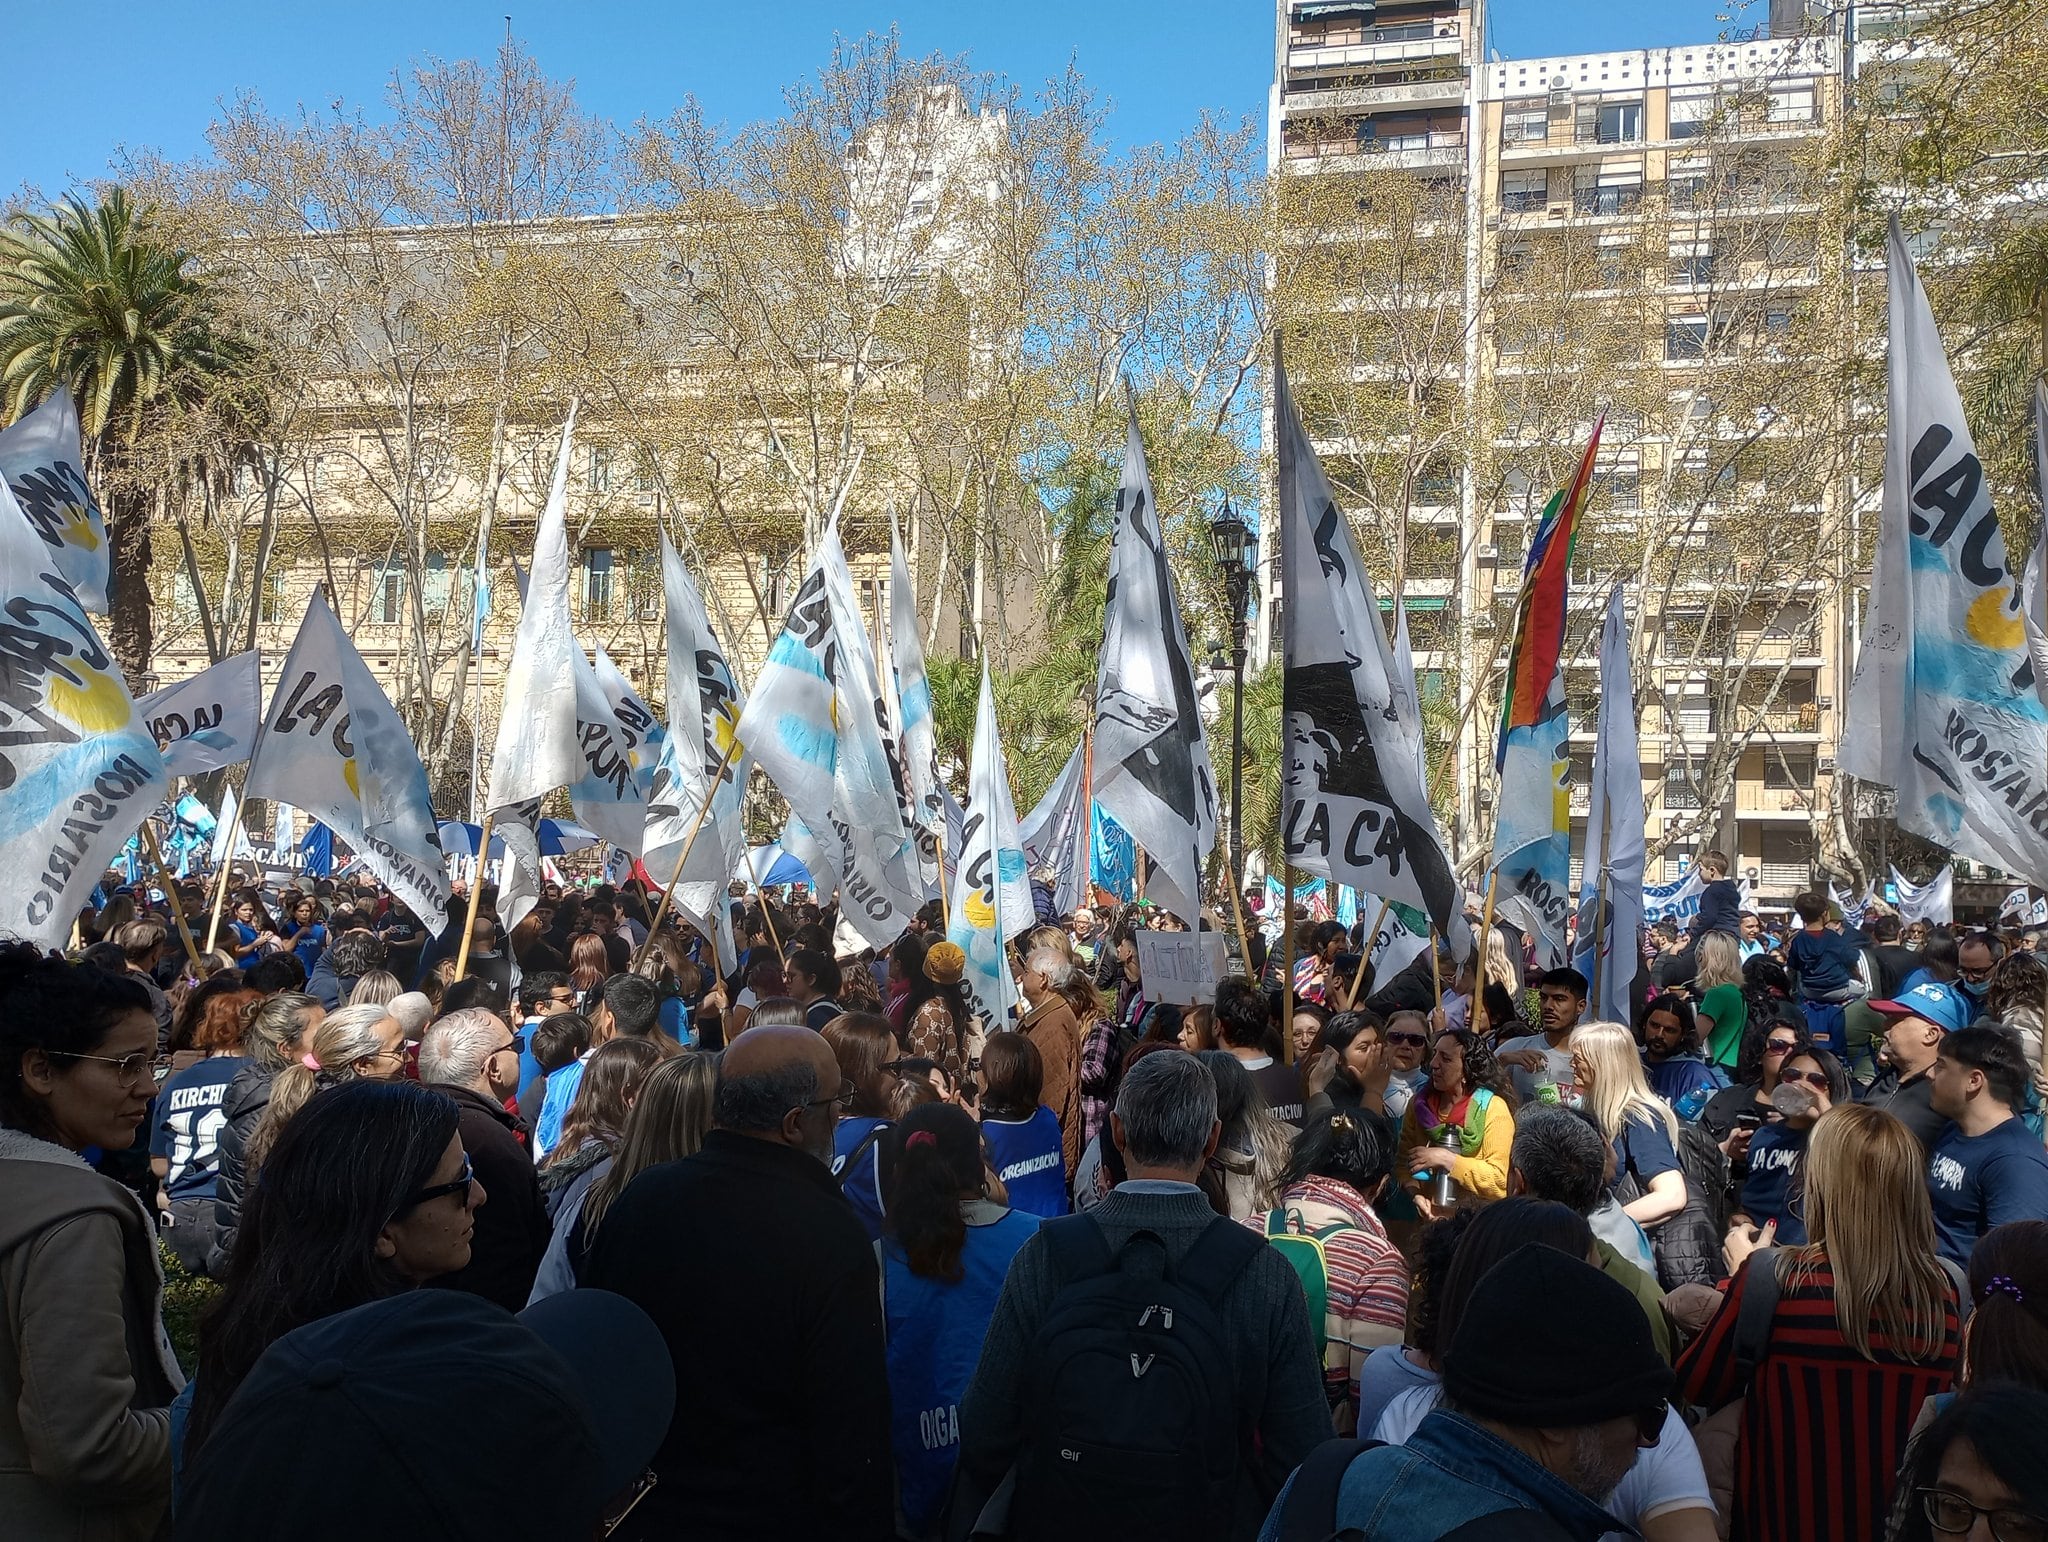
(1534, 658)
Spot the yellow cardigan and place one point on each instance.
(1483, 1175)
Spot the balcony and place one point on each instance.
(1418, 93)
(1784, 719)
(1381, 45)
(1753, 800)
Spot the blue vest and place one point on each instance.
(863, 1186)
(935, 1332)
(1027, 1158)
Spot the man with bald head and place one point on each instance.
(1049, 1023)
(763, 1282)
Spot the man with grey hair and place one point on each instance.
(1560, 1155)
(1155, 1232)
(1049, 1023)
(472, 1056)
(781, 1429)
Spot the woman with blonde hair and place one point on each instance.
(1863, 1329)
(667, 1122)
(364, 1043)
(378, 988)
(1717, 986)
(274, 1029)
(1638, 1124)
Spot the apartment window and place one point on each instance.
(270, 605)
(1436, 486)
(1524, 124)
(1610, 190)
(1619, 123)
(1693, 267)
(1791, 771)
(643, 473)
(1682, 781)
(1621, 480)
(1685, 337)
(597, 580)
(439, 584)
(1777, 321)
(1792, 102)
(387, 593)
(645, 568)
(1521, 191)
(599, 472)
(184, 600)
(1691, 111)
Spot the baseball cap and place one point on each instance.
(435, 1403)
(1941, 1005)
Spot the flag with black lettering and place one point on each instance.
(1055, 834)
(1943, 706)
(332, 744)
(991, 891)
(1354, 808)
(1611, 891)
(908, 690)
(608, 794)
(79, 768)
(210, 720)
(43, 463)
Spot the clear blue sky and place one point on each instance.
(150, 74)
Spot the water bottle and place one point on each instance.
(1442, 1191)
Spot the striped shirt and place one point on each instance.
(1823, 1429)
(1368, 1284)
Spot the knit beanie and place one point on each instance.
(1549, 1342)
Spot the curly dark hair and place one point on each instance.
(1481, 1069)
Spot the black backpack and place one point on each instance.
(1132, 1429)
(1309, 1512)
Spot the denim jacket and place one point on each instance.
(1451, 1471)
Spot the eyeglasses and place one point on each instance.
(1811, 1078)
(1952, 1515)
(847, 1093)
(565, 999)
(509, 1047)
(130, 1070)
(1412, 1039)
(1650, 1424)
(456, 1186)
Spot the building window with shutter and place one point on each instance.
(597, 581)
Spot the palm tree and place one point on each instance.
(94, 298)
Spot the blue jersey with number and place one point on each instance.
(185, 1124)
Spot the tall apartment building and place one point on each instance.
(1644, 206)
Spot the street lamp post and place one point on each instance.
(1237, 557)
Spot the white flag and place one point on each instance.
(642, 729)
(1407, 697)
(79, 769)
(1614, 834)
(1354, 806)
(606, 792)
(1152, 773)
(1943, 705)
(2034, 585)
(536, 750)
(703, 711)
(2016, 904)
(1055, 834)
(230, 840)
(43, 463)
(1933, 901)
(334, 745)
(284, 833)
(1403, 934)
(991, 892)
(910, 714)
(210, 720)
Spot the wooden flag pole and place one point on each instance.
(1244, 941)
(1479, 1020)
(476, 894)
(1436, 972)
(939, 844)
(163, 874)
(220, 887)
(1365, 955)
(689, 844)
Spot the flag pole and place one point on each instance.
(1479, 1018)
(1287, 963)
(939, 844)
(1244, 941)
(689, 844)
(476, 894)
(1436, 972)
(220, 887)
(767, 911)
(1365, 954)
(163, 874)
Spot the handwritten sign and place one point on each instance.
(1181, 967)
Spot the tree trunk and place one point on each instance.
(129, 630)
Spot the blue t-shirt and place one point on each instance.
(1824, 961)
(309, 943)
(1027, 1158)
(244, 935)
(863, 1186)
(185, 1123)
(1644, 1149)
(554, 1106)
(674, 1014)
(1685, 1082)
(1775, 1189)
(1981, 1181)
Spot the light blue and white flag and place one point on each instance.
(1054, 834)
(1943, 705)
(1611, 893)
(1678, 901)
(991, 889)
(79, 768)
(43, 463)
(814, 724)
(210, 720)
(333, 744)
(536, 750)
(1854, 911)
(1933, 902)
(1533, 831)
(909, 691)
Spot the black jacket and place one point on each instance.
(763, 1283)
(243, 1104)
(512, 1228)
(1911, 1102)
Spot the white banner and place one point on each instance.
(1611, 891)
(1943, 705)
(1055, 834)
(991, 893)
(606, 792)
(79, 769)
(334, 745)
(1152, 773)
(1181, 967)
(1932, 901)
(1355, 809)
(210, 720)
(43, 463)
(910, 713)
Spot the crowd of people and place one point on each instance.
(591, 1235)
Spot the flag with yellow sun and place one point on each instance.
(43, 464)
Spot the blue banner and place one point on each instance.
(1114, 859)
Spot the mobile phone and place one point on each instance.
(1749, 1119)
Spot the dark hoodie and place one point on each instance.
(246, 1098)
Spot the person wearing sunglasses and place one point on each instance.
(1772, 1205)
(85, 1439)
(1914, 1027)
